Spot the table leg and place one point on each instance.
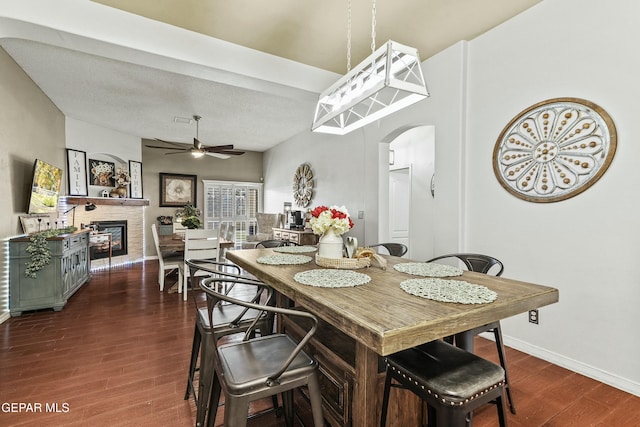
(464, 340)
(365, 397)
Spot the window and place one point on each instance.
(232, 204)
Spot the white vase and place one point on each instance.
(330, 245)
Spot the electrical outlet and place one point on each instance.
(533, 316)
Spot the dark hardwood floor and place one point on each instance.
(117, 355)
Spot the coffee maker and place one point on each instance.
(297, 220)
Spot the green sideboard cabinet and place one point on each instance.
(68, 270)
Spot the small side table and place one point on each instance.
(99, 240)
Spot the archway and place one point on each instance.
(406, 204)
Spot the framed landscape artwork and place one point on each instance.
(177, 190)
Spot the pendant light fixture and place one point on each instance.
(388, 80)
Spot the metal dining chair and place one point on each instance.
(487, 265)
(258, 367)
(394, 249)
(229, 320)
(272, 243)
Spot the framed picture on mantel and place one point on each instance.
(135, 171)
(77, 172)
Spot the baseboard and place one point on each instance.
(5, 316)
(572, 364)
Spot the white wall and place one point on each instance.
(102, 144)
(31, 127)
(347, 168)
(342, 175)
(586, 246)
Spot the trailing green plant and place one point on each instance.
(39, 250)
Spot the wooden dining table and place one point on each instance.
(384, 319)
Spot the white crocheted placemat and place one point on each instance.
(428, 269)
(295, 249)
(331, 278)
(283, 259)
(446, 290)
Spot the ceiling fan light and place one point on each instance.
(197, 154)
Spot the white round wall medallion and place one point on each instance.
(554, 150)
(303, 185)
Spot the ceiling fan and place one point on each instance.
(199, 150)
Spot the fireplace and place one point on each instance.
(118, 230)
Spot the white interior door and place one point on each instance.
(399, 205)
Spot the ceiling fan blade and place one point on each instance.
(178, 152)
(231, 153)
(218, 155)
(164, 148)
(214, 148)
(175, 144)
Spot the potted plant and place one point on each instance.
(190, 216)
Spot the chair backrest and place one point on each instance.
(230, 233)
(394, 249)
(271, 243)
(201, 244)
(265, 222)
(476, 262)
(216, 268)
(214, 298)
(156, 241)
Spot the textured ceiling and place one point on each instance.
(125, 72)
(314, 32)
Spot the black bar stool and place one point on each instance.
(487, 265)
(453, 382)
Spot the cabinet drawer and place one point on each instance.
(294, 237)
(277, 234)
(74, 241)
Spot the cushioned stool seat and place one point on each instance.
(452, 381)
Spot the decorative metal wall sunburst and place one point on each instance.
(303, 185)
(554, 150)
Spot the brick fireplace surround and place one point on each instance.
(112, 209)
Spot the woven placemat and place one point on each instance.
(428, 269)
(331, 278)
(446, 290)
(295, 249)
(283, 259)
